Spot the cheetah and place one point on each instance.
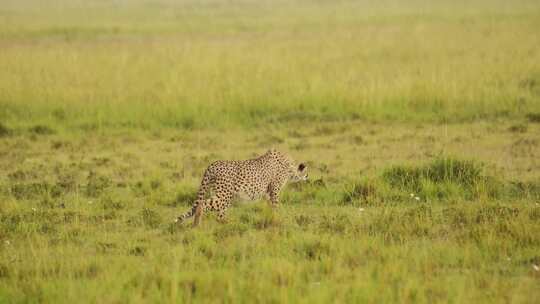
(226, 180)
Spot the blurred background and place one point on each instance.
(192, 64)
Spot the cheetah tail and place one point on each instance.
(187, 215)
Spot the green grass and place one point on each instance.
(418, 122)
(93, 65)
(90, 218)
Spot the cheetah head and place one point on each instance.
(300, 173)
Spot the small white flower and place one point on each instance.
(34, 209)
(535, 267)
(176, 220)
(7, 242)
(412, 194)
(361, 209)
(417, 198)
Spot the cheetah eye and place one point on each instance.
(301, 167)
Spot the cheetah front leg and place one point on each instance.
(273, 194)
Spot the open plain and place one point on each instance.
(419, 122)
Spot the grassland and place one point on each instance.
(420, 123)
(201, 64)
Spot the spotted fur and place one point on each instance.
(225, 180)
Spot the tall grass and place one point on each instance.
(206, 64)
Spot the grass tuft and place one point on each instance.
(518, 128)
(5, 131)
(442, 178)
(150, 218)
(41, 130)
(97, 184)
(534, 117)
(185, 197)
(364, 191)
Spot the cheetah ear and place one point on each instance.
(301, 167)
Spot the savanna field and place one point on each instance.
(419, 122)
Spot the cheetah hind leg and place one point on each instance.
(221, 204)
(222, 216)
(199, 211)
